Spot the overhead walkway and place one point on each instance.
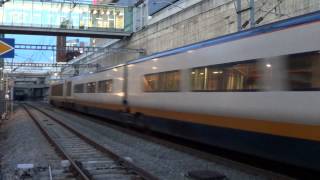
(65, 18)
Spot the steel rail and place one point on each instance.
(74, 166)
(139, 171)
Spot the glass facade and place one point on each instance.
(28, 13)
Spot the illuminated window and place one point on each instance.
(198, 79)
(119, 18)
(111, 17)
(91, 87)
(62, 15)
(229, 77)
(162, 82)
(151, 82)
(105, 86)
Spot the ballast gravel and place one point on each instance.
(162, 161)
(21, 142)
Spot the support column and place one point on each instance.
(239, 17)
(252, 18)
(61, 49)
(2, 86)
(240, 10)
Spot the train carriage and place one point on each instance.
(256, 92)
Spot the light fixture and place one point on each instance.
(268, 65)
(155, 59)
(121, 79)
(215, 72)
(95, 11)
(90, 72)
(154, 68)
(102, 12)
(190, 51)
(201, 73)
(115, 69)
(149, 17)
(55, 74)
(121, 94)
(193, 73)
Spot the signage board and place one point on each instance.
(6, 48)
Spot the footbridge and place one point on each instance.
(64, 18)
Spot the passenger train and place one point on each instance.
(254, 91)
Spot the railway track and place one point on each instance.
(87, 159)
(104, 128)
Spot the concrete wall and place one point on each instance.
(204, 20)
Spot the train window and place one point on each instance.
(105, 86)
(91, 87)
(169, 81)
(78, 88)
(162, 82)
(69, 84)
(303, 71)
(151, 82)
(198, 79)
(57, 90)
(227, 77)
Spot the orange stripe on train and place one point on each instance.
(301, 131)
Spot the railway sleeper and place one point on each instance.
(110, 171)
(116, 176)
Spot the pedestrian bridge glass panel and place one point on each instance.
(27, 13)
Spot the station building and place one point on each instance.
(164, 25)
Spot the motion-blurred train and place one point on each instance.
(254, 91)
